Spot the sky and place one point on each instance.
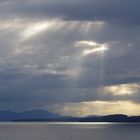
(71, 57)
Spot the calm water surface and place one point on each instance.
(69, 131)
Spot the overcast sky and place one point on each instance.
(72, 57)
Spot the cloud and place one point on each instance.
(124, 89)
(93, 47)
(58, 52)
(98, 108)
(119, 12)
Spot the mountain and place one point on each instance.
(33, 115)
(111, 118)
(108, 118)
(7, 115)
(40, 115)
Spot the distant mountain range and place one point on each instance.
(34, 114)
(42, 116)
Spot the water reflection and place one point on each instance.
(69, 131)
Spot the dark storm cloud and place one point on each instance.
(41, 65)
(120, 61)
(116, 11)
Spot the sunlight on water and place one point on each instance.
(69, 131)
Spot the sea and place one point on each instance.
(69, 131)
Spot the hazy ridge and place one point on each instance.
(40, 115)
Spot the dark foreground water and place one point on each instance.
(69, 131)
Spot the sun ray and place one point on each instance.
(34, 29)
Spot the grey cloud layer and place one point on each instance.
(120, 12)
(47, 68)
